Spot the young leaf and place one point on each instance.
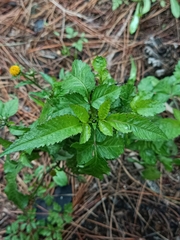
(133, 72)
(176, 114)
(104, 92)
(146, 6)
(175, 8)
(146, 107)
(47, 78)
(116, 4)
(80, 112)
(10, 108)
(141, 127)
(99, 63)
(78, 45)
(12, 168)
(23, 84)
(135, 20)
(167, 162)
(24, 160)
(5, 143)
(80, 80)
(105, 128)
(85, 134)
(147, 84)
(111, 148)
(61, 178)
(61, 74)
(18, 130)
(54, 130)
(127, 93)
(13, 194)
(151, 173)
(104, 109)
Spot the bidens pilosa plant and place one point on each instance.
(88, 119)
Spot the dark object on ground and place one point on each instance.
(62, 196)
(38, 25)
(159, 57)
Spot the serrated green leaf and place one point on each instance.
(104, 109)
(80, 112)
(85, 152)
(61, 178)
(100, 137)
(170, 127)
(127, 92)
(176, 90)
(111, 148)
(141, 127)
(47, 78)
(148, 156)
(96, 167)
(146, 107)
(147, 84)
(85, 134)
(10, 108)
(77, 99)
(105, 128)
(151, 173)
(53, 131)
(80, 80)
(104, 92)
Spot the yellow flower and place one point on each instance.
(14, 70)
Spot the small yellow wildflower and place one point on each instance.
(14, 70)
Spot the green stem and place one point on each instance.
(33, 81)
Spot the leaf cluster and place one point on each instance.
(27, 226)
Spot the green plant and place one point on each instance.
(27, 227)
(71, 33)
(88, 119)
(143, 7)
